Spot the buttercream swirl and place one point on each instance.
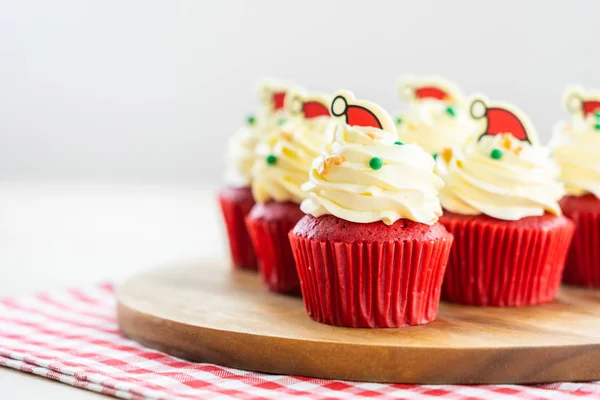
(342, 182)
(435, 125)
(520, 182)
(240, 155)
(284, 158)
(576, 148)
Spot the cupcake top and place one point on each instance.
(366, 175)
(240, 156)
(504, 173)
(576, 143)
(285, 156)
(437, 116)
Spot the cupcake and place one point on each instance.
(370, 252)
(437, 117)
(500, 202)
(576, 148)
(281, 167)
(235, 198)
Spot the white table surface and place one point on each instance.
(61, 235)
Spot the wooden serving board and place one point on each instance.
(208, 313)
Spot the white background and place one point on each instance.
(148, 91)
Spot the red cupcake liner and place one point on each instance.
(504, 264)
(583, 262)
(371, 285)
(235, 205)
(275, 259)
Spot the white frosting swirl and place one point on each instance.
(522, 183)
(576, 148)
(294, 145)
(342, 182)
(431, 125)
(240, 157)
(241, 148)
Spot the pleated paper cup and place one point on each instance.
(269, 225)
(235, 204)
(505, 263)
(370, 284)
(583, 261)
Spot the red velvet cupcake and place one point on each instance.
(576, 148)
(236, 199)
(501, 204)
(281, 167)
(370, 253)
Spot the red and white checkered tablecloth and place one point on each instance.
(71, 336)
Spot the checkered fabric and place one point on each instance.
(71, 336)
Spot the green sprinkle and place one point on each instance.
(375, 163)
(399, 143)
(597, 126)
(271, 159)
(251, 120)
(496, 154)
(435, 156)
(281, 121)
(597, 114)
(398, 121)
(450, 111)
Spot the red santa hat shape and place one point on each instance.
(428, 88)
(273, 94)
(313, 109)
(502, 119)
(431, 92)
(360, 112)
(579, 101)
(308, 106)
(278, 99)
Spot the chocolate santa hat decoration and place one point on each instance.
(579, 101)
(502, 119)
(360, 112)
(273, 93)
(414, 89)
(308, 105)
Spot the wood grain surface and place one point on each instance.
(208, 313)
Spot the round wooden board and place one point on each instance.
(209, 313)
